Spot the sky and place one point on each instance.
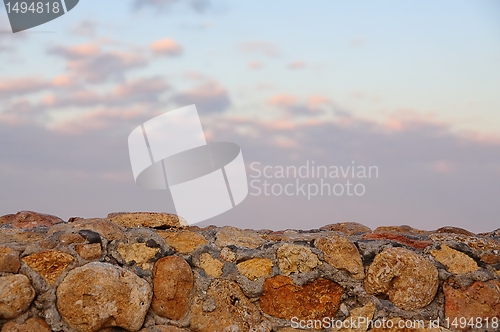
(411, 88)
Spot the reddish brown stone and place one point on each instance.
(405, 229)
(454, 230)
(315, 300)
(490, 258)
(9, 260)
(30, 219)
(403, 239)
(172, 287)
(71, 238)
(481, 299)
(348, 228)
(31, 325)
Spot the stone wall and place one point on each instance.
(152, 272)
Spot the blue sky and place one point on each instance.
(409, 86)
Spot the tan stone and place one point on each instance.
(99, 295)
(414, 325)
(405, 229)
(474, 242)
(228, 235)
(173, 283)
(20, 237)
(256, 268)
(228, 255)
(89, 251)
(147, 219)
(341, 254)
(70, 238)
(410, 281)
(164, 328)
(455, 261)
(360, 317)
(348, 228)
(31, 325)
(183, 241)
(49, 264)
(498, 272)
(140, 253)
(9, 260)
(104, 227)
(232, 310)
(30, 219)
(211, 266)
(480, 299)
(317, 299)
(294, 258)
(16, 294)
(292, 236)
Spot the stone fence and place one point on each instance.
(151, 272)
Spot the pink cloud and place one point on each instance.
(22, 85)
(255, 65)
(167, 46)
(209, 97)
(297, 65)
(282, 100)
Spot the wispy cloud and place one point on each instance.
(167, 47)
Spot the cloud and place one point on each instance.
(85, 28)
(312, 106)
(297, 65)
(167, 46)
(18, 86)
(260, 47)
(199, 6)
(209, 97)
(282, 100)
(91, 63)
(255, 65)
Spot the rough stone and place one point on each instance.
(454, 230)
(9, 260)
(172, 287)
(183, 241)
(147, 219)
(49, 264)
(233, 310)
(16, 294)
(416, 326)
(99, 295)
(228, 255)
(491, 257)
(89, 251)
(164, 328)
(20, 237)
(105, 228)
(31, 325)
(317, 299)
(294, 258)
(480, 299)
(405, 229)
(360, 317)
(211, 266)
(292, 236)
(70, 238)
(228, 235)
(348, 228)
(474, 242)
(256, 268)
(341, 254)
(409, 240)
(410, 281)
(30, 219)
(455, 261)
(140, 253)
